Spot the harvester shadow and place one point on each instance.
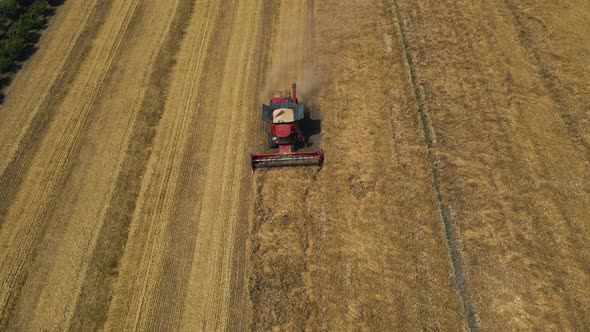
(311, 128)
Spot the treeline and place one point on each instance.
(20, 25)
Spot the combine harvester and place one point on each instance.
(285, 115)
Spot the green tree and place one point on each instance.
(8, 8)
(12, 48)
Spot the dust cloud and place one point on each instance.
(282, 74)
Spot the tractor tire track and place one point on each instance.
(23, 261)
(162, 186)
(444, 211)
(501, 145)
(566, 219)
(550, 80)
(167, 302)
(224, 201)
(142, 58)
(94, 298)
(65, 167)
(27, 247)
(177, 263)
(11, 174)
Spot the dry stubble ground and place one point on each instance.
(513, 168)
(126, 201)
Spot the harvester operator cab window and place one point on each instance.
(283, 115)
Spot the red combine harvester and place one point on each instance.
(285, 115)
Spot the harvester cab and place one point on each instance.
(284, 114)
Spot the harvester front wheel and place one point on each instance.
(271, 143)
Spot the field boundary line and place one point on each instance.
(444, 211)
